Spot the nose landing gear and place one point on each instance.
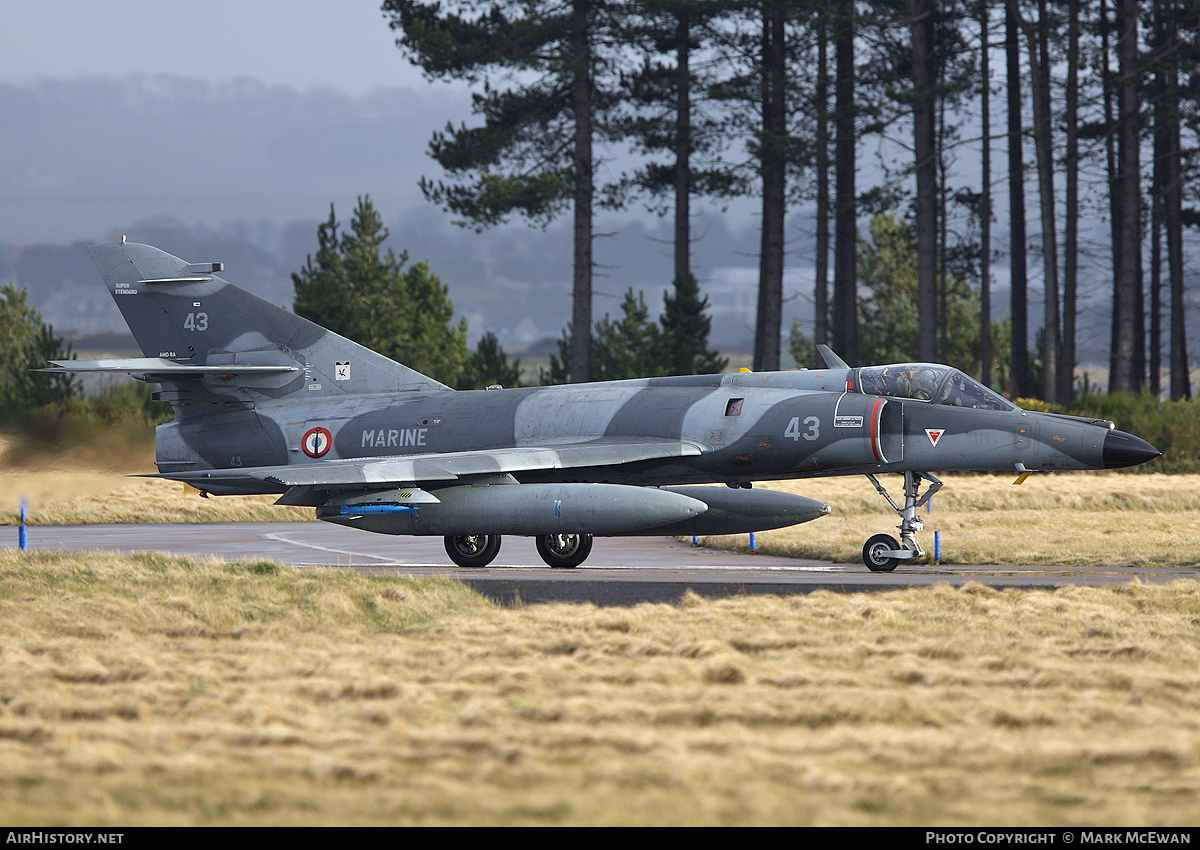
(883, 553)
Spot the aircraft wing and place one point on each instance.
(381, 472)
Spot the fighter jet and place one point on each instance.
(268, 402)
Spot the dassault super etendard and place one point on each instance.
(268, 402)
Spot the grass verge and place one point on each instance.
(149, 690)
(85, 497)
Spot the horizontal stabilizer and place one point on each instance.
(169, 280)
(161, 366)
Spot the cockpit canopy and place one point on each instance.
(929, 382)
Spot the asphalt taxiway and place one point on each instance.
(620, 571)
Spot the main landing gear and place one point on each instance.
(473, 550)
(562, 551)
(883, 552)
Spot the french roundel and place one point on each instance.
(316, 442)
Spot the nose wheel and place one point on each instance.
(878, 553)
(883, 553)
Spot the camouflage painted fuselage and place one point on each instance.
(747, 427)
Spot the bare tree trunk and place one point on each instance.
(1039, 65)
(985, 212)
(845, 269)
(925, 165)
(581, 92)
(1066, 372)
(1016, 204)
(774, 176)
(683, 150)
(1125, 376)
(943, 274)
(821, 294)
(1158, 188)
(1181, 385)
(1110, 153)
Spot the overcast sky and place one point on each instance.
(59, 183)
(302, 43)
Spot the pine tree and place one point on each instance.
(26, 343)
(433, 346)
(488, 366)
(667, 117)
(844, 327)
(321, 291)
(1127, 368)
(889, 326)
(633, 346)
(685, 329)
(629, 347)
(543, 77)
(558, 371)
(356, 289)
(765, 46)
(378, 296)
(666, 114)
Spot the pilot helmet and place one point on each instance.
(926, 383)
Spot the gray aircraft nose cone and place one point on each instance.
(1121, 449)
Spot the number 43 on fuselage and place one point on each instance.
(267, 402)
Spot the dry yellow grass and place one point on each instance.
(1102, 519)
(79, 497)
(153, 690)
(80, 486)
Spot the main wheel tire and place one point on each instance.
(873, 555)
(473, 550)
(564, 551)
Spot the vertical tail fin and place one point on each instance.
(184, 314)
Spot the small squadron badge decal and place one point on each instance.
(316, 442)
(934, 434)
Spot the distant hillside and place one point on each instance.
(86, 156)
